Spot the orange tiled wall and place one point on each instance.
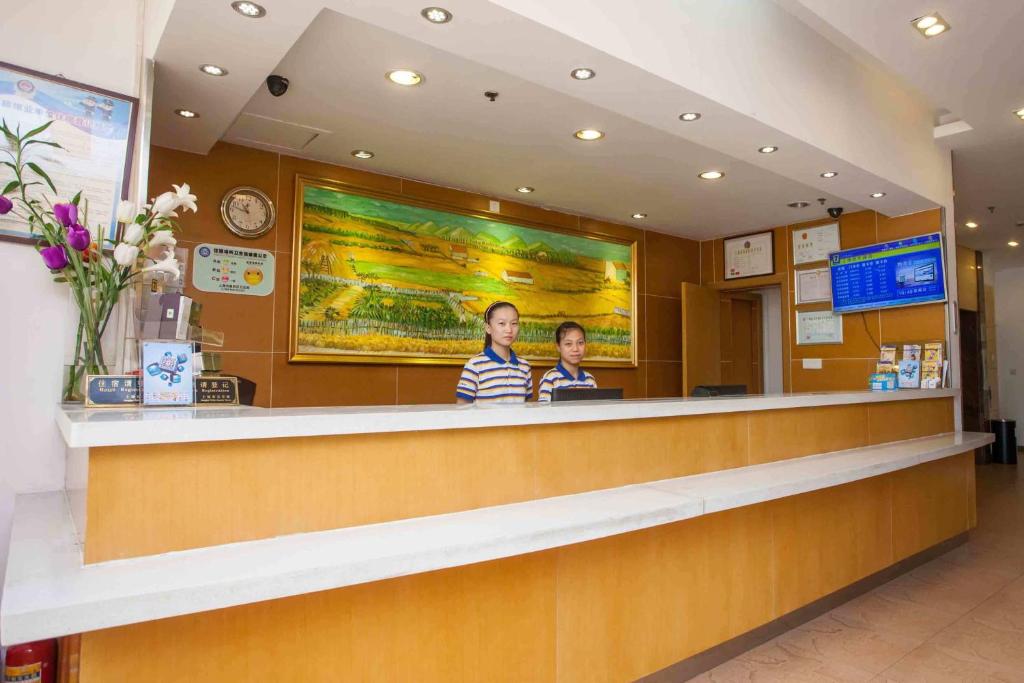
(845, 366)
(256, 328)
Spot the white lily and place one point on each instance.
(185, 200)
(133, 234)
(126, 254)
(125, 211)
(162, 238)
(165, 204)
(168, 266)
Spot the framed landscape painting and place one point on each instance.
(378, 278)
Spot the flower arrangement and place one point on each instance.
(96, 269)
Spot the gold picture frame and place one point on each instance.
(380, 278)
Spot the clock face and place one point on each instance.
(247, 212)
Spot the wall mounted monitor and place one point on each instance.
(904, 272)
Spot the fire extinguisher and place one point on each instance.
(32, 662)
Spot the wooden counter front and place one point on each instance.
(147, 499)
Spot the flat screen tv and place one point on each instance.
(904, 272)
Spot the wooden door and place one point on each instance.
(970, 371)
(740, 330)
(701, 339)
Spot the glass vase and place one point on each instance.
(86, 359)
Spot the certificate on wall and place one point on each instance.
(815, 244)
(749, 255)
(812, 285)
(95, 130)
(818, 327)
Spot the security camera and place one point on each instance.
(277, 85)
(835, 211)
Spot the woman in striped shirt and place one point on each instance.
(497, 375)
(571, 340)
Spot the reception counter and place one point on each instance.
(605, 541)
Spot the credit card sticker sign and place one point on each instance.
(167, 377)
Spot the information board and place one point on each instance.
(900, 273)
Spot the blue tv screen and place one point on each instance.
(900, 273)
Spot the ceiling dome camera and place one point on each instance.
(835, 211)
(277, 85)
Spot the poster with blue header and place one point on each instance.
(95, 129)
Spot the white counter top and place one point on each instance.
(49, 593)
(138, 426)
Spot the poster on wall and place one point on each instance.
(378, 278)
(226, 269)
(749, 255)
(818, 327)
(95, 130)
(811, 245)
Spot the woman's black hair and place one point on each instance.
(562, 329)
(487, 318)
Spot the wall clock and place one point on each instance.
(248, 212)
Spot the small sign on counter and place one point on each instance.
(108, 391)
(222, 391)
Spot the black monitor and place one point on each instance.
(720, 390)
(586, 394)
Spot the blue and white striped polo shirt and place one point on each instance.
(560, 378)
(489, 378)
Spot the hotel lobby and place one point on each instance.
(510, 340)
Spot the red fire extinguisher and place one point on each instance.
(32, 662)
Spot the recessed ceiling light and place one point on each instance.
(971, 224)
(639, 216)
(689, 116)
(829, 174)
(877, 195)
(404, 77)
(768, 149)
(1019, 113)
(525, 189)
(436, 15)
(711, 175)
(362, 154)
(1013, 243)
(589, 134)
(798, 205)
(213, 70)
(931, 25)
(186, 113)
(583, 74)
(249, 9)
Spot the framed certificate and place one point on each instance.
(815, 244)
(749, 256)
(818, 327)
(812, 286)
(96, 131)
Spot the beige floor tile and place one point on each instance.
(929, 664)
(889, 613)
(945, 586)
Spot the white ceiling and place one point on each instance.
(446, 132)
(974, 73)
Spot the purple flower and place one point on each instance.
(78, 237)
(67, 214)
(55, 258)
(5, 205)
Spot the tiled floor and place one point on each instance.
(957, 618)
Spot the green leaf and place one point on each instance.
(37, 131)
(13, 185)
(77, 198)
(60, 278)
(42, 174)
(42, 142)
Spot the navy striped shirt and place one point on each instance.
(489, 378)
(560, 378)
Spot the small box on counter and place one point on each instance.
(883, 381)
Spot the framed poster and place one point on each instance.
(815, 244)
(95, 128)
(812, 286)
(749, 256)
(380, 278)
(818, 327)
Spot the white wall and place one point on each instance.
(97, 43)
(771, 341)
(1009, 323)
